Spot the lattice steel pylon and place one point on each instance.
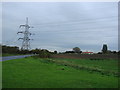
(26, 39)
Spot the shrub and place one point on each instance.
(44, 54)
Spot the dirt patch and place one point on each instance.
(86, 56)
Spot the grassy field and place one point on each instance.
(106, 65)
(0, 75)
(50, 73)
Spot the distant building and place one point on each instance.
(87, 52)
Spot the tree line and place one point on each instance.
(46, 53)
(15, 50)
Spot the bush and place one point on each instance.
(44, 54)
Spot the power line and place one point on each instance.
(81, 21)
(86, 29)
(75, 22)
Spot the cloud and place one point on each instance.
(62, 26)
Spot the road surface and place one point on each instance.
(13, 57)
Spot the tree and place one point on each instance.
(76, 49)
(44, 53)
(114, 52)
(69, 52)
(105, 48)
(10, 49)
(119, 52)
(55, 52)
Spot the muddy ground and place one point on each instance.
(86, 56)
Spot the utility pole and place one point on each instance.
(26, 39)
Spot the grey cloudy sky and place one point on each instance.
(63, 25)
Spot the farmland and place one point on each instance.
(34, 72)
(87, 56)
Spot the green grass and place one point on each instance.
(38, 73)
(0, 75)
(109, 65)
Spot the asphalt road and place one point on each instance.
(13, 57)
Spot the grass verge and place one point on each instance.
(38, 73)
(105, 67)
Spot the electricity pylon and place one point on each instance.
(26, 39)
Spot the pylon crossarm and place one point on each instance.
(22, 26)
(20, 38)
(19, 32)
